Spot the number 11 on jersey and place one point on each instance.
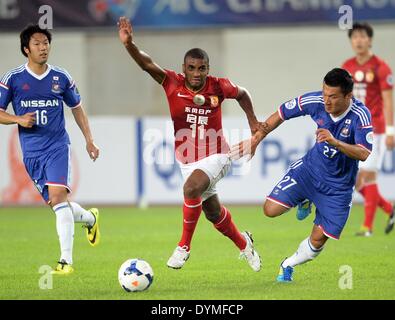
(200, 129)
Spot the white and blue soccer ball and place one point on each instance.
(135, 275)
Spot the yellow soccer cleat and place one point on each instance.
(63, 268)
(93, 232)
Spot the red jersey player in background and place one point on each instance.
(373, 83)
(195, 100)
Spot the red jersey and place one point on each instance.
(197, 116)
(370, 79)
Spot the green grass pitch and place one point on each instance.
(29, 240)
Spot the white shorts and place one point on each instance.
(215, 166)
(375, 159)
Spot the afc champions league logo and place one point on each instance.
(369, 137)
(99, 9)
(290, 104)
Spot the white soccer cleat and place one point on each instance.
(250, 254)
(178, 258)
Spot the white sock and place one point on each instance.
(65, 229)
(306, 252)
(82, 215)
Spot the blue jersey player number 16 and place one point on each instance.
(37, 91)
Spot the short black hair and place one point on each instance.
(197, 53)
(338, 77)
(361, 26)
(27, 33)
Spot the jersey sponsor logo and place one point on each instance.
(390, 79)
(369, 137)
(369, 76)
(197, 110)
(214, 101)
(290, 104)
(39, 103)
(359, 75)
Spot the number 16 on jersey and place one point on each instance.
(41, 117)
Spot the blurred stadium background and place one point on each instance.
(275, 49)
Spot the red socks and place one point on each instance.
(373, 198)
(385, 205)
(191, 212)
(226, 226)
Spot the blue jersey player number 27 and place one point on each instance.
(326, 175)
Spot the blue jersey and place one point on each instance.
(354, 126)
(43, 94)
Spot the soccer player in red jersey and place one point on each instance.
(195, 99)
(373, 85)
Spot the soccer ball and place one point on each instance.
(135, 275)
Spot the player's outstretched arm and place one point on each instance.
(27, 120)
(142, 59)
(245, 102)
(248, 147)
(352, 151)
(82, 120)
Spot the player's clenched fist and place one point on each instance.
(125, 30)
(27, 120)
(93, 150)
(324, 135)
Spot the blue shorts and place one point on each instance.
(50, 169)
(332, 206)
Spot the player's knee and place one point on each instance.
(191, 190)
(57, 197)
(54, 200)
(318, 241)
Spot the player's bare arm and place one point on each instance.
(245, 102)
(27, 120)
(82, 120)
(142, 59)
(248, 147)
(389, 118)
(350, 150)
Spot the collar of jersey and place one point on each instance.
(195, 92)
(337, 119)
(41, 76)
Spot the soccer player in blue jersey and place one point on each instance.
(326, 175)
(37, 91)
